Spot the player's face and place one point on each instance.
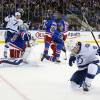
(58, 15)
(18, 17)
(76, 49)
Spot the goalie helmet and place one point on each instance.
(23, 27)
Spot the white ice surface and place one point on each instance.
(42, 80)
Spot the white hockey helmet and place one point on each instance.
(71, 44)
(17, 14)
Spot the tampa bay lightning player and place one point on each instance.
(87, 63)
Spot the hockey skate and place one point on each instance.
(85, 86)
(43, 56)
(57, 60)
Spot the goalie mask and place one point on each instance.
(23, 27)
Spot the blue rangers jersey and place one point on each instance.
(57, 36)
(50, 27)
(19, 40)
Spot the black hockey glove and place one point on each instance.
(98, 51)
(72, 60)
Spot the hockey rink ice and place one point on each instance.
(42, 80)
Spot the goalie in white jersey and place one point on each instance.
(87, 61)
(13, 23)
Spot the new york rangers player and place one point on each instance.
(20, 46)
(87, 63)
(63, 27)
(57, 38)
(50, 27)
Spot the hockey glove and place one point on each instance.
(72, 60)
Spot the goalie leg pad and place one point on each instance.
(15, 53)
(26, 54)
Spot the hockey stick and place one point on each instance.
(91, 30)
(85, 25)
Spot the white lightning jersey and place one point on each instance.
(13, 23)
(86, 55)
